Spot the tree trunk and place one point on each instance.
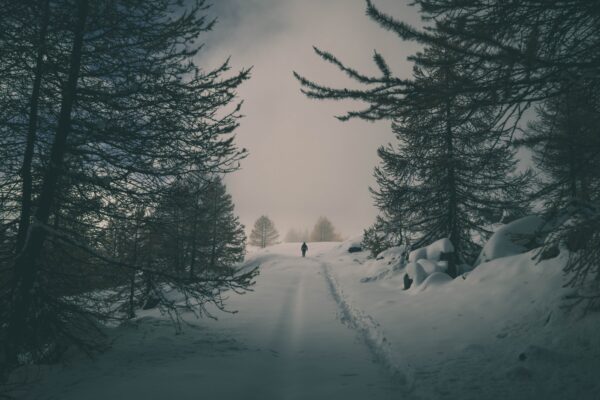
(194, 241)
(24, 218)
(131, 311)
(452, 200)
(26, 261)
(213, 249)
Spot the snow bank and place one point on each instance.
(393, 253)
(498, 333)
(416, 273)
(425, 262)
(434, 280)
(345, 246)
(433, 251)
(431, 267)
(511, 239)
(417, 254)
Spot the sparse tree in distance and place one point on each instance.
(264, 233)
(324, 231)
(296, 236)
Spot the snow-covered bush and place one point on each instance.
(513, 238)
(416, 273)
(576, 230)
(430, 261)
(375, 240)
(434, 280)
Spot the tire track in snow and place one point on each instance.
(370, 332)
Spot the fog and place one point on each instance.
(304, 163)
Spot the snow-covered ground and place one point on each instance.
(337, 325)
(498, 333)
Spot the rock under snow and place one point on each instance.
(417, 254)
(416, 273)
(429, 266)
(433, 251)
(435, 279)
(393, 253)
(511, 239)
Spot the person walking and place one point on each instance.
(304, 248)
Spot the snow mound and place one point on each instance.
(435, 279)
(344, 247)
(511, 239)
(433, 251)
(416, 273)
(393, 253)
(417, 254)
(431, 267)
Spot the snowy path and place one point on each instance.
(314, 329)
(286, 342)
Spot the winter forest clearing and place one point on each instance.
(442, 232)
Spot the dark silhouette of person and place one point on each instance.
(304, 248)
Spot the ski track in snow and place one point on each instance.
(370, 332)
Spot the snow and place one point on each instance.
(393, 253)
(511, 239)
(430, 267)
(417, 254)
(435, 279)
(315, 328)
(432, 251)
(416, 272)
(435, 250)
(465, 338)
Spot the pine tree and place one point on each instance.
(111, 101)
(198, 228)
(382, 235)
(227, 240)
(264, 233)
(324, 231)
(449, 175)
(522, 53)
(564, 142)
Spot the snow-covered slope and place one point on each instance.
(497, 333)
(337, 325)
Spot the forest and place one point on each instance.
(114, 144)
(117, 143)
(491, 78)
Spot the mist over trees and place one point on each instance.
(263, 233)
(460, 116)
(296, 236)
(323, 231)
(111, 138)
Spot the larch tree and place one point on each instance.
(107, 109)
(263, 233)
(297, 235)
(226, 244)
(564, 140)
(451, 172)
(323, 231)
(521, 53)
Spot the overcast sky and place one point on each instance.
(303, 162)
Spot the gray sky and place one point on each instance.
(303, 162)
